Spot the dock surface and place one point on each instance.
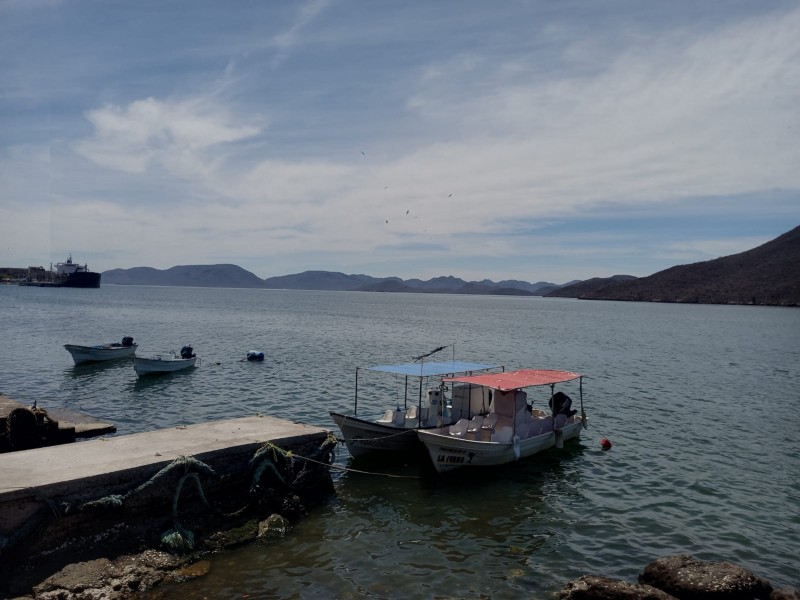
(100, 456)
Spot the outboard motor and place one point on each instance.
(561, 404)
(255, 356)
(187, 352)
(127, 341)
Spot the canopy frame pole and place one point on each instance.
(355, 401)
(583, 413)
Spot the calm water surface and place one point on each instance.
(702, 404)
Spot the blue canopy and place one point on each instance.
(428, 369)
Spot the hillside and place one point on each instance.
(582, 288)
(225, 276)
(766, 275)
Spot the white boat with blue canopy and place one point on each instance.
(421, 405)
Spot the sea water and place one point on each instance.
(701, 403)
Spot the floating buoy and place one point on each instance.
(605, 443)
(255, 355)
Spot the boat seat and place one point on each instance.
(561, 420)
(387, 417)
(475, 424)
(460, 428)
(399, 417)
(412, 412)
(489, 421)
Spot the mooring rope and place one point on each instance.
(179, 538)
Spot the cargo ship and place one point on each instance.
(66, 274)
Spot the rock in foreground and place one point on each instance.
(687, 578)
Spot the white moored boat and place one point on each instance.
(422, 406)
(102, 352)
(511, 429)
(166, 362)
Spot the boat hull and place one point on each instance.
(364, 437)
(161, 364)
(87, 279)
(99, 353)
(448, 452)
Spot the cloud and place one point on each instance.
(287, 40)
(173, 134)
(687, 113)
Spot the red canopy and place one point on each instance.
(514, 380)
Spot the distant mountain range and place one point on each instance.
(766, 275)
(231, 276)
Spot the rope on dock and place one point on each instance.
(266, 460)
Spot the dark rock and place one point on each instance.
(687, 578)
(273, 527)
(593, 587)
(785, 594)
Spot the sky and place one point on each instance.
(541, 140)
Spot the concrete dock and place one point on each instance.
(45, 493)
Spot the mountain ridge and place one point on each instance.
(766, 275)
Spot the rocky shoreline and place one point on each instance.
(680, 577)
(675, 577)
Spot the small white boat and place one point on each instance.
(511, 429)
(166, 362)
(102, 352)
(422, 406)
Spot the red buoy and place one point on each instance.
(605, 443)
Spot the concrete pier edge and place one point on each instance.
(113, 496)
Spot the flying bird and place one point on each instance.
(450, 195)
(407, 211)
(362, 152)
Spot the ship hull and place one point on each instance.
(82, 280)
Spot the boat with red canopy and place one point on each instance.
(511, 427)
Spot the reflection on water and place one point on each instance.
(688, 395)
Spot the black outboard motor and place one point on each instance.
(127, 341)
(561, 404)
(255, 356)
(187, 352)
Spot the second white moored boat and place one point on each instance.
(511, 429)
(166, 362)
